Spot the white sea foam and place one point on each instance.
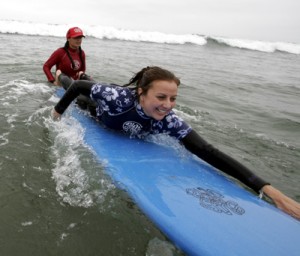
(74, 184)
(259, 45)
(101, 32)
(159, 247)
(17, 88)
(76, 181)
(26, 223)
(71, 179)
(3, 139)
(112, 33)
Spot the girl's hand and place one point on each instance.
(55, 116)
(283, 202)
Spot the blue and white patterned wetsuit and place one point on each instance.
(118, 109)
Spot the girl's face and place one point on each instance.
(75, 42)
(159, 99)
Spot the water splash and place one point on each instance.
(79, 180)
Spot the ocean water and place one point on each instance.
(55, 197)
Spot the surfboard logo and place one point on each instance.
(215, 201)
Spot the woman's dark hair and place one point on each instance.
(145, 77)
(66, 47)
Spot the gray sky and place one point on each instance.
(267, 20)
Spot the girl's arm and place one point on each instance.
(198, 146)
(77, 87)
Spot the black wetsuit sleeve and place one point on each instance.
(76, 88)
(198, 146)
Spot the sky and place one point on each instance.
(266, 20)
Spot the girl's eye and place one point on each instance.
(162, 97)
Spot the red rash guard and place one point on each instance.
(63, 62)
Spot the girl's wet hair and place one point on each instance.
(145, 77)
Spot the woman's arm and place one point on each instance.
(52, 61)
(77, 87)
(198, 146)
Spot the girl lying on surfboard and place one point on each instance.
(144, 106)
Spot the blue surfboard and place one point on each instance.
(199, 209)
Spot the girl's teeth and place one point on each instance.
(162, 111)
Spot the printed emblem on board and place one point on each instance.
(215, 201)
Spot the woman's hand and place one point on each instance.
(55, 116)
(283, 202)
(56, 82)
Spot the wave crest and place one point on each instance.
(258, 45)
(101, 32)
(112, 33)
